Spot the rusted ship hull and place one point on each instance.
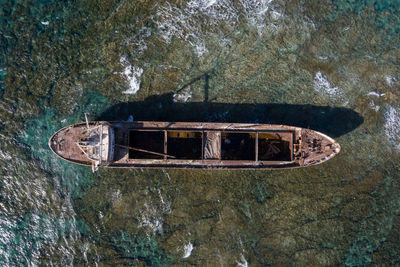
(147, 144)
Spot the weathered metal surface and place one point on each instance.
(212, 145)
(306, 147)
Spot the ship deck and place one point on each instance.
(185, 144)
(150, 144)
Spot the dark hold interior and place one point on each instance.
(273, 150)
(147, 140)
(188, 145)
(184, 144)
(237, 146)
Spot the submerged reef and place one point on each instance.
(328, 65)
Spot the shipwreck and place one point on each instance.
(202, 145)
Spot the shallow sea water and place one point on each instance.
(332, 66)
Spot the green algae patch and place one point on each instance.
(374, 229)
(262, 192)
(142, 248)
(382, 16)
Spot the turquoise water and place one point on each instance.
(332, 66)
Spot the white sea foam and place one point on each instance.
(132, 74)
(209, 3)
(151, 218)
(242, 262)
(138, 41)
(42, 231)
(152, 214)
(166, 174)
(323, 86)
(200, 49)
(256, 13)
(53, 228)
(345, 103)
(373, 93)
(123, 60)
(7, 238)
(390, 80)
(85, 249)
(392, 126)
(187, 250)
(184, 96)
(374, 106)
(115, 196)
(196, 20)
(7, 234)
(161, 197)
(5, 155)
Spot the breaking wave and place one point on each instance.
(392, 126)
(197, 20)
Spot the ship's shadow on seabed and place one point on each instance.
(333, 121)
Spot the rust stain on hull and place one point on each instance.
(191, 145)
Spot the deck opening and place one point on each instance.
(184, 144)
(271, 147)
(146, 140)
(237, 146)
